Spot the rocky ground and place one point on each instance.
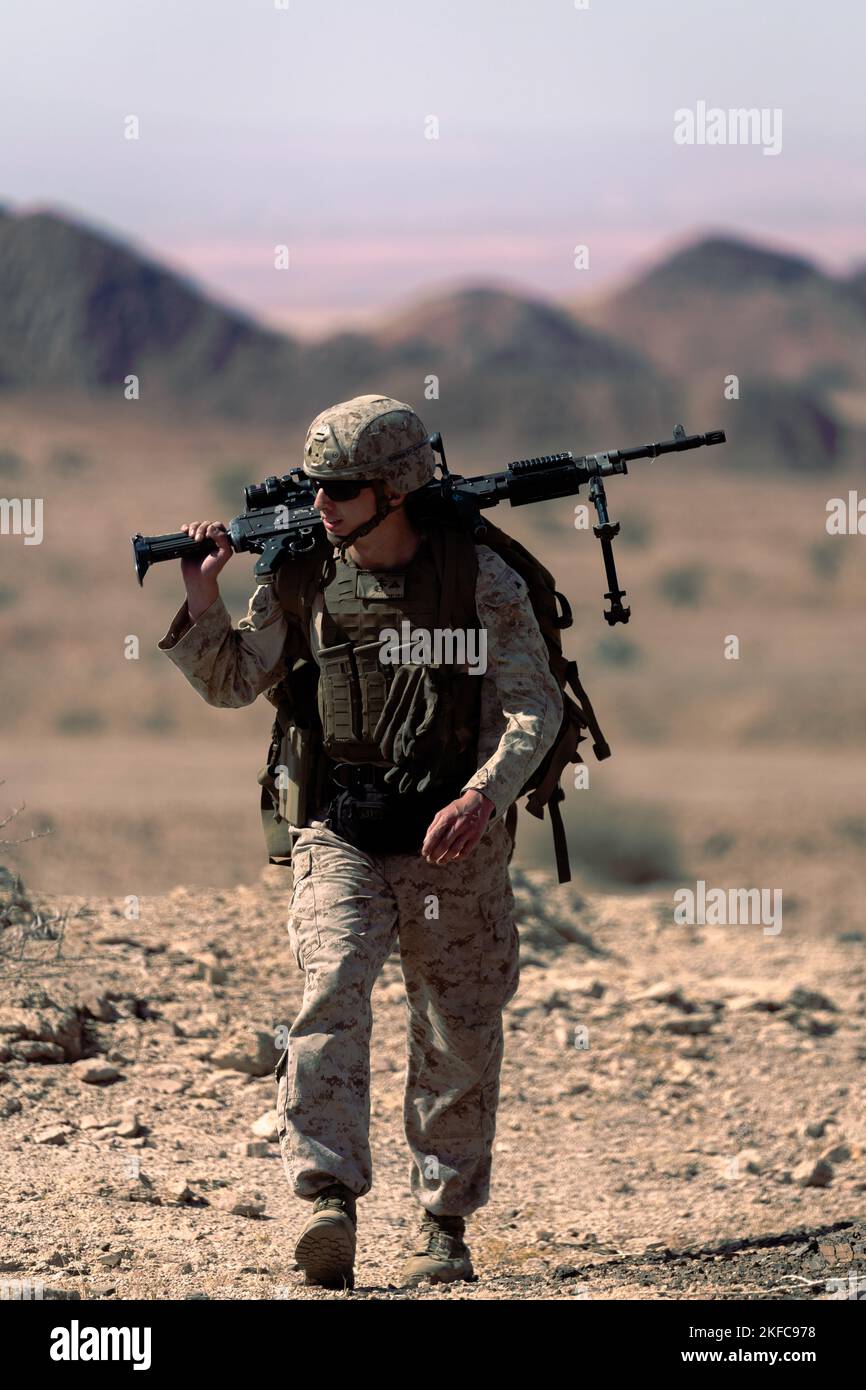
(681, 1112)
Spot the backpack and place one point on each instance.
(553, 614)
(294, 734)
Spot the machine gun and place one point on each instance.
(280, 521)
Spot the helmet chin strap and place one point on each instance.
(383, 509)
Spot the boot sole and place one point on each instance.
(412, 1280)
(326, 1253)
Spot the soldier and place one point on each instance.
(409, 844)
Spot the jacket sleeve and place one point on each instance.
(230, 667)
(521, 703)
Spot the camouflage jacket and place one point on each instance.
(521, 704)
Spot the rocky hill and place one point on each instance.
(509, 371)
(732, 306)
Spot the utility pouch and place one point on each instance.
(364, 818)
(339, 704)
(288, 790)
(373, 686)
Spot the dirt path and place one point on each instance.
(652, 1142)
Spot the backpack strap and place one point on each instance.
(456, 560)
(457, 566)
(560, 844)
(299, 579)
(600, 745)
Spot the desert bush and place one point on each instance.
(683, 586)
(65, 569)
(618, 651)
(719, 843)
(825, 557)
(80, 721)
(10, 463)
(852, 829)
(157, 722)
(69, 461)
(636, 533)
(621, 842)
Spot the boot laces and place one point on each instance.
(335, 1197)
(444, 1236)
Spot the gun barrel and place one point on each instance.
(676, 445)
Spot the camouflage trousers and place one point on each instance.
(458, 945)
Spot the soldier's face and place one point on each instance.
(340, 518)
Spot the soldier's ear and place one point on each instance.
(396, 499)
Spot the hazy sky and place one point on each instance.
(304, 125)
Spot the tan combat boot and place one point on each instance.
(326, 1246)
(442, 1255)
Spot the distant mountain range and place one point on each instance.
(734, 306)
(81, 311)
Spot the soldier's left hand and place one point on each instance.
(457, 828)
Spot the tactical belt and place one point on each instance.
(359, 776)
(376, 818)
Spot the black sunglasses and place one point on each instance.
(339, 489)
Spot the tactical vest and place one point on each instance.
(362, 700)
(330, 713)
(298, 770)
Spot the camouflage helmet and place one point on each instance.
(370, 437)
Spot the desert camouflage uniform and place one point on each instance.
(454, 922)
